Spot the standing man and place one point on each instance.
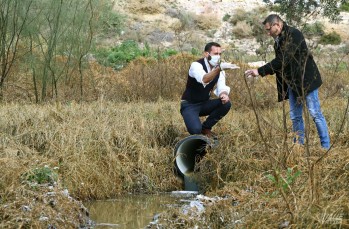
(297, 76)
(206, 75)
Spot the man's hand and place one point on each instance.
(224, 98)
(251, 72)
(226, 65)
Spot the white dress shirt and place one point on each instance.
(197, 71)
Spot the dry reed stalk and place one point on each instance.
(103, 149)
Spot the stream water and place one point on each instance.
(132, 211)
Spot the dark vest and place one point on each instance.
(196, 92)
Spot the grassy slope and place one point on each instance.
(103, 149)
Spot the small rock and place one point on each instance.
(284, 224)
(26, 208)
(65, 192)
(51, 194)
(43, 218)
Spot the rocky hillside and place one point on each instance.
(185, 24)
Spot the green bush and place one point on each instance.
(125, 52)
(111, 21)
(226, 17)
(168, 52)
(41, 175)
(119, 56)
(240, 15)
(315, 29)
(332, 38)
(195, 51)
(345, 6)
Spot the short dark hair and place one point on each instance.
(271, 19)
(209, 45)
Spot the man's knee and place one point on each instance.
(314, 114)
(295, 116)
(194, 130)
(226, 107)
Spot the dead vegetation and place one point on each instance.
(102, 149)
(123, 142)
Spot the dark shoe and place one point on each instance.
(208, 133)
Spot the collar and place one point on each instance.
(208, 66)
(284, 30)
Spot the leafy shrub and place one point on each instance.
(41, 175)
(195, 52)
(129, 50)
(315, 29)
(332, 38)
(111, 21)
(124, 53)
(345, 6)
(226, 17)
(240, 15)
(284, 182)
(101, 54)
(168, 52)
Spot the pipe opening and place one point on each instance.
(188, 151)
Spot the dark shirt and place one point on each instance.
(293, 64)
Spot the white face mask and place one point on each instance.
(214, 61)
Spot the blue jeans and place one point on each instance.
(192, 112)
(313, 105)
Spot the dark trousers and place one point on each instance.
(213, 108)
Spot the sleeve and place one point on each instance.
(271, 68)
(294, 42)
(197, 71)
(221, 86)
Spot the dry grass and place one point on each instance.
(32, 205)
(207, 21)
(103, 149)
(100, 150)
(239, 168)
(242, 30)
(145, 7)
(123, 141)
